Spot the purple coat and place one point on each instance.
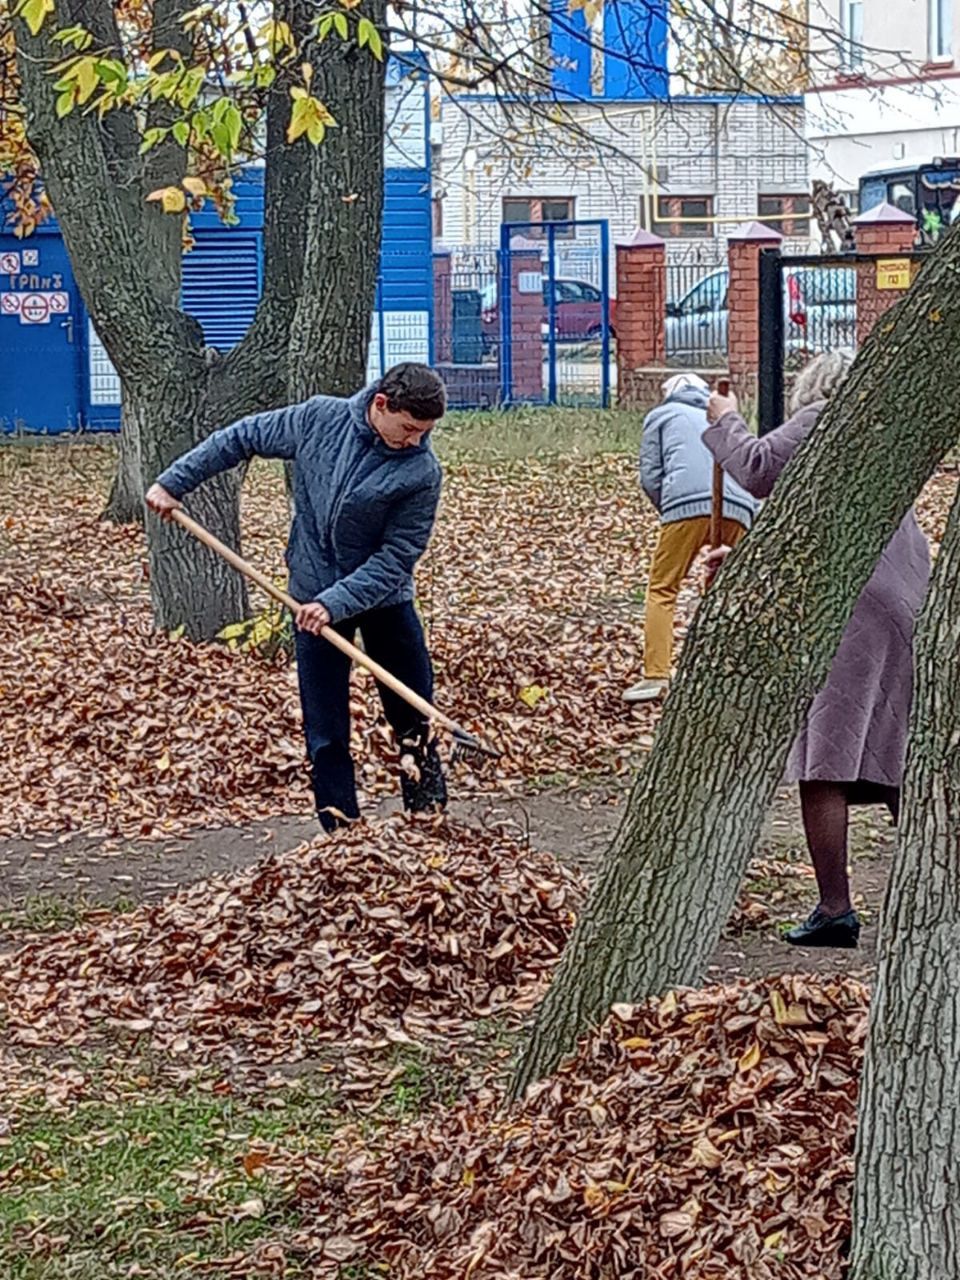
(856, 728)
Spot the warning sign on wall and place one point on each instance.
(9, 264)
(35, 308)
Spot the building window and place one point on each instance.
(787, 214)
(939, 33)
(851, 16)
(682, 217)
(437, 208)
(537, 209)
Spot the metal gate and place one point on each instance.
(810, 304)
(557, 318)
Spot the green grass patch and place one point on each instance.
(140, 1177)
(146, 1179)
(536, 433)
(49, 913)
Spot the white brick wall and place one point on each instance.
(733, 152)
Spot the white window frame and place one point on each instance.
(939, 32)
(851, 21)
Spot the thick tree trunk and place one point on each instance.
(331, 329)
(760, 648)
(907, 1202)
(190, 586)
(322, 233)
(125, 501)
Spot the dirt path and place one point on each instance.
(50, 885)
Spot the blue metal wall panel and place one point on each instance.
(634, 51)
(222, 283)
(570, 51)
(406, 252)
(635, 43)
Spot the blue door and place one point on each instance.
(40, 336)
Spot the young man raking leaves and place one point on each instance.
(366, 488)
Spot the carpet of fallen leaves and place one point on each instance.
(528, 592)
(708, 1135)
(531, 592)
(396, 932)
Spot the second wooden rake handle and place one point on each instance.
(336, 639)
(716, 509)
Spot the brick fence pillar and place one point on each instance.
(442, 306)
(641, 304)
(526, 321)
(743, 303)
(884, 233)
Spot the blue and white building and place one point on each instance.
(54, 373)
(642, 152)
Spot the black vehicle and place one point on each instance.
(929, 192)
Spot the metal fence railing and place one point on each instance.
(696, 320)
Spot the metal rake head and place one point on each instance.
(468, 747)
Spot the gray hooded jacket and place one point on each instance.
(363, 511)
(676, 469)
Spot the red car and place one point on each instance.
(578, 313)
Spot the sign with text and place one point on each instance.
(893, 273)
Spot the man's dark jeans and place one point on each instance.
(393, 637)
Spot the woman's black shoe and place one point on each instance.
(821, 930)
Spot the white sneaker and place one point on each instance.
(647, 691)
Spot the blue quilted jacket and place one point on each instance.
(363, 511)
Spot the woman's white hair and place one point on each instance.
(680, 382)
(818, 380)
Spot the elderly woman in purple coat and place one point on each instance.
(852, 747)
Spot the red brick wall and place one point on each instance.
(526, 318)
(641, 303)
(743, 303)
(879, 232)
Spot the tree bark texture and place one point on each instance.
(125, 500)
(190, 585)
(331, 329)
(311, 331)
(907, 1194)
(758, 651)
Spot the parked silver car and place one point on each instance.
(819, 306)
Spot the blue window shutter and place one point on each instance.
(221, 284)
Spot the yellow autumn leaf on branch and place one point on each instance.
(34, 13)
(170, 199)
(308, 117)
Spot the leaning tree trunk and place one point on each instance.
(907, 1205)
(759, 649)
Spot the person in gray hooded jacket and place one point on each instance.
(676, 473)
(366, 488)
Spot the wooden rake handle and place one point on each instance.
(716, 509)
(716, 505)
(336, 639)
